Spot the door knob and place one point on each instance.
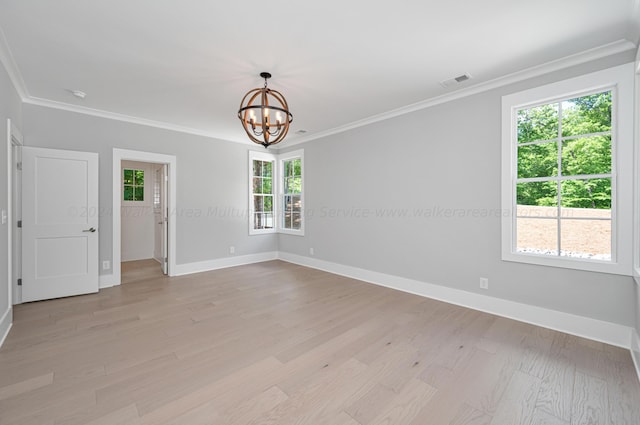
(90, 230)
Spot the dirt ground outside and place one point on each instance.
(584, 232)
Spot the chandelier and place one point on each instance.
(265, 115)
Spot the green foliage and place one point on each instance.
(293, 176)
(587, 114)
(578, 156)
(539, 123)
(542, 194)
(589, 193)
(586, 156)
(133, 189)
(540, 160)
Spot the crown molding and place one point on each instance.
(600, 52)
(6, 58)
(613, 48)
(32, 100)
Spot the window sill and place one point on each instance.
(262, 232)
(291, 232)
(569, 263)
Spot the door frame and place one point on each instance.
(157, 158)
(14, 140)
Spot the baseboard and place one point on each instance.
(106, 281)
(5, 324)
(597, 330)
(221, 263)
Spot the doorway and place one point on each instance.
(153, 216)
(143, 213)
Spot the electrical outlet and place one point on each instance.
(106, 265)
(4, 216)
(311, 251)
(232, 250)
(484, 283)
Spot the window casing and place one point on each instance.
(276, 193)
(566, 179)
(291, 193)
(261, 206)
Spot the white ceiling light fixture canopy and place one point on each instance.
(264, 114)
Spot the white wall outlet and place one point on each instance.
(484, 283)
(106, 265)
(4, 216)
(311, 251)
(232, 250)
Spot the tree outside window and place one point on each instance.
(564, 178)
(133, 185)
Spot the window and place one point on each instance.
(276, 177)
(261, 216)
(133, 185)
(565, 171)
(292, 193)
(157, 186)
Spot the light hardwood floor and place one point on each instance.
(275, 343)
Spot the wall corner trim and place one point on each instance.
(594, 329)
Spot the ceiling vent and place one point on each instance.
(456, 80)
(78, 93)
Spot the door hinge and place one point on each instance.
(166, 177)
(19, 282)
(19, 166)
(166, 259)
(20, 224)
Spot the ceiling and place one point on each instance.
(187, 64)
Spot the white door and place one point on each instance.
(59, 223)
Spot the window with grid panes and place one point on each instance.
(262, 213)
(567, 173)
(133, 185)
(292, 194)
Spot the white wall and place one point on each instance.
(10, 107)
(137, 222)
(444, 157)
(211, 179)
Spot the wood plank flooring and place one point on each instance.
(275, 343)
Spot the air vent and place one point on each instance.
(455, 81)
(78, 93)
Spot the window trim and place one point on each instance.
(261, 156)
(281, 160)
(620, 80)
(278, 191)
